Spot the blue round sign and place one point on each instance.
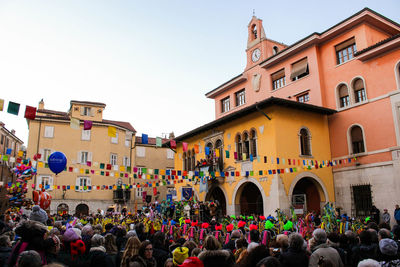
(57, 162)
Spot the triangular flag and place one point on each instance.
(74, 123)
(13, 108)
(158, 142)
(112, 131)
(87, 125)
(30, 112)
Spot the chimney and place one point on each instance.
(41, 104)
(13, 131)
(171, 135)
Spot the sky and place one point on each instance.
(150, 62)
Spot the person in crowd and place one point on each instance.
(73, 252)
(321, 249)
(241, 250)
(131, 250)
(269, 262)
(87, 233)
(97, 254)
(211, 243)
(217, 258)
(368, 263)
(281, 245)
(386, 216)
(397, 214)
(29, 258)
(295, 255)
(190, 244)
(388, 248)
(145, 257)
(5, 249)
(333, 241)
(160, 252)
(179, 255)
(255, 255)
(231, 243)
(169, 263)
(375, 214)
(195, 252)
(365, 250)
(192, 262)
(52, 245)
(254, 239)
(38, 215)
(110, 245)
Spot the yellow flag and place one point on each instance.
(244, 156)
(1, 104)
(40, 164)
(217, 153)
(122, 168)
(112, 131)
(81, 171)
(20, 153)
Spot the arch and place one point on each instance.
(82, 209)
(235, 200)
(358, 85)
(350, 139)
(343, 100)
(305, 141)
(217, 192)
(397, 74)
(275, 50)
(254, 31)
(62, 208)
(317, 181)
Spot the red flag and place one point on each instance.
(87, 125)
(185, 146)
(30, 112)
(173, 144)
(154, 191)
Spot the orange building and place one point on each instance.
(352, 67)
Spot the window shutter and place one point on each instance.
(358, 85)
(299, 68)
(343, 91)
(277, 75)
(41, 152)
(79, 156)
(82, 111)
(77, 183)
(39, 181)
(90, 154)
(51, 182)
(88, 182)
(345, 44)
(92, 112)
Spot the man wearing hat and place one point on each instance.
(38, 215)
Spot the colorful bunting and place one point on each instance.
(30, 113)
(112, 131)
(13, 108)
(87, 125)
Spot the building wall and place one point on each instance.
(69, 142)
(279, 138)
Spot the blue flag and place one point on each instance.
(145, 139)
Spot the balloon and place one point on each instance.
(57, 162)
(43, 199)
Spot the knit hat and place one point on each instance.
(38, 215)
(388, 247)
(72, 234)
(78, 248)
(180, 254)
(192, 262)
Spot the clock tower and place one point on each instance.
(255, 43)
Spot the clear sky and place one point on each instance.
(151, 62)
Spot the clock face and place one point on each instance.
(255, 56)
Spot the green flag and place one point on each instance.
(13, 108)
(158, 142)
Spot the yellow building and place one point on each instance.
(96, 161)
(288, 141)
(152, 156)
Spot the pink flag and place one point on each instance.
(185, 146)
(87, 125)
(173, 144)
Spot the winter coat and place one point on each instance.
(386, 217)
(138, 261)
(161, 255)
(362, 252)
(328, 253)
(231, 245)
(99, 257)
(5, 253)
(294, 258)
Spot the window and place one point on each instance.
(225, 104)
(359, 91)
(254, 31)
(278, 79)
(83, 184)
(253, 143)
(46, 182)
(126, 162)
(357, 140)
(113, 159)
(86, 135)
(46, 154)
(83, 157)
(239, 147)
(219, 147)
(193, 159)
(2, 139)
(246, 145)
(139, 192)
(127, 142)
(86, 111)
(49, 131)
(114, 140)
(275, 50)
(299, 69)
(7, 142)
(240, 98)
(185, 161)
(345, 51)
(140, 151)
(170, 154)
(305, 142)
(344, 98)
(362, 199)
(303, 98)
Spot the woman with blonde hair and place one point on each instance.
(131, 250)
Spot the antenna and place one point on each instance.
(254, 12)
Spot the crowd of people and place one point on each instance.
(153, 238)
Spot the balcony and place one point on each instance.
(121, 195)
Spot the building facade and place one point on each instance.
(97, 164)
(353, 68)
(151, 155)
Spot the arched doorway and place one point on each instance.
(249, 199)
(82, 209)
(62, 209)
(308, 194)
(216, 194)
